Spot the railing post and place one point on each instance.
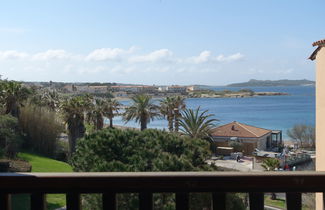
(256, 200)
(145, 201)
(73, 201)
(5, 201)
(293, 201)
(38, 201)
(219, 201)
(182, 201)
(109, 201)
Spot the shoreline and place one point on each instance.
(230, 95)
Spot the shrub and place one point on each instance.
(238, 147)
(10, 136)
(132, 150)
(41, 127)
(62, 151)
(270, 164)
(149, 150)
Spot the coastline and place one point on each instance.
(215, 95)
(240, 95)
(276, 112)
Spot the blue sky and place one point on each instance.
(211, 42)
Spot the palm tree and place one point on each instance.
(12, 96)
(112, 107)
(51, 99)
(142, 110)
(179, 105)
(73, 110)
(46, 98)
(96, 113)
(170, 107)
(270, 164)
(167, 110)
(196, 123)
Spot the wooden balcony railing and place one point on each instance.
(146, 183)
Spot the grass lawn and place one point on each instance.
(42, 164)
(278, 203)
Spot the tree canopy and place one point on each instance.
(142, 110)
(132, 150)
(115, 150)
(197, 123)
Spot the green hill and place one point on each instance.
(283, 82)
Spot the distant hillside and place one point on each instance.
(283, 82)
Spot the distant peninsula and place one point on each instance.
(268, 83)
(243, 93)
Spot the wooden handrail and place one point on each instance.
(163, 182)
(146, 183)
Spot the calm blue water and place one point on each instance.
(271, 112)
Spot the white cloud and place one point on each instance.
(206, 56)
(12, 54)
(153, 56)
(59, 64)
(234, 57)
(108, 54)
(202, 58)
(52, 54)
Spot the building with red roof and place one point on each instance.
(251, 137)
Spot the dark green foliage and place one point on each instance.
(73, 110)
(142, 110)
(170, 107)
(235, 202)
(46, 98)
(196, 123)
(131, 150)
(12, 96)
(10, 139)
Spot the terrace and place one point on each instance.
(147, 183)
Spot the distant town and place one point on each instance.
(128, 90)
(121, 91)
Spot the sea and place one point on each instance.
(270, 112)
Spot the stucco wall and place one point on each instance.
(320, 110)
(320, 116)
(261, 143)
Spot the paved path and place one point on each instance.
(242, 165)
(271, 208)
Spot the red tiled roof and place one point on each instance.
(236, 129)
(320, 42)
(313, 55)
